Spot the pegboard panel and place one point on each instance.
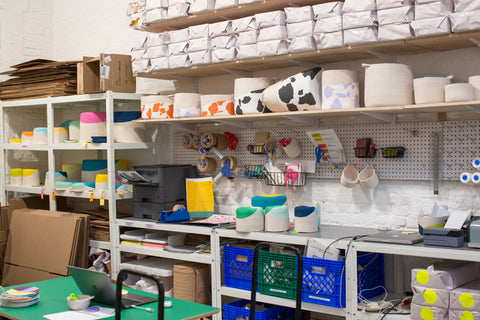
(458, 146)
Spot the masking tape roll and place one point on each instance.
(222, 141)
(231, 160)
(209, 140)
(206, 164)
(197, 141)
(187, 141)
(178, 206)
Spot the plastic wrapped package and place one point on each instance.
(244, 24)
(360, 19)
(140, 66)
(272, 33)
(300, 29)
(222, 28)
(153, 4)
(328, 40)
(433, 9)
(301, 44)
(360, 35)
(223, 55)
(177, 48)
(463, 314)
(156, 51)
(395, 15)
(269, 19)
(159, 64)
(222, 4)
(466, 297)
(419, 312)
(387, 4)
(177, 10)
(198, 31)
(466, 5)
(199, 44)
(247, 37)
(445, 275)
(137, 54)
(157, 39)
(429, 27)
(358, 5)
(465, 21)
(327, 10)
(223, 42)
(332, 24)
(247, 51)
(200, 6)
(272, 48)
(179, 61)
(180, 35)
(298, 14)
(423, 296)
(396, 31)
(155, 15)
(200, 57)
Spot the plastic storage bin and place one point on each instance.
(236, 310)
(237, 267)
(277, 274)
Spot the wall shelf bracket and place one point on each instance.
(192, 80)
(475, 109)
(236, 124)
(304, 64)
(383, 56)
(240, 73)
(311, 122)
(390, 118)
(475, 41)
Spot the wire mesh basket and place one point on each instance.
(253, 171)
(286, 179)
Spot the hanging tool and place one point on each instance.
(319, 153)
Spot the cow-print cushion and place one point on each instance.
(250, 103)
(299, 92)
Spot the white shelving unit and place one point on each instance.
(44, 113)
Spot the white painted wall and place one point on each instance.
(68, 30)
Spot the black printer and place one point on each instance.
(163, 186)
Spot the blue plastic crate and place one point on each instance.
(324, 280)
(237, 309)
(237, 267)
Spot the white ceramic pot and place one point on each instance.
(340, 89)
(430, 89)
(458, 92)
(388, 84)
(475, 82)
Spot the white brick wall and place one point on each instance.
(68, 30)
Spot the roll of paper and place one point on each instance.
(31, 178)
(40, 135)
(60, 134)
(217, 105)
(157, 107)
(186, 105)
(27, 137)
(276, 219)
(250, 219)
(16, 176)
(92, 124)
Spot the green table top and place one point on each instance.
(53, 299)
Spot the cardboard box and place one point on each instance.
(191, 282)
(14, 275)
(106, 72)
(47, 241)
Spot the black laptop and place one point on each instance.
(99, 285)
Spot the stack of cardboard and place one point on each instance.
(42, 243)
(40, 78)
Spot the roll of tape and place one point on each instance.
(187, 141)
(231, 160)
(209, 140)
(206, 164)
(178, 206)
(222, 141)
(197, 141)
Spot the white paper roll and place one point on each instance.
(475, 82)
(246, 85)
(217, 105)
(186, 105)
(466, 177)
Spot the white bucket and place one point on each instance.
(458, 92)
(388, 84)
(340, 89)
(430, 89)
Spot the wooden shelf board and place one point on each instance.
(227, 13)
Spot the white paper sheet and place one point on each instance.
(156, 51)
(328, 139)
(300, 29)
(93, 313)
(140, 65)
(178, 10)
(156, 39)
(159, 64)
(180, 61)
(137, 54)
(298, 14)
(457, 219)
(153, 4)
(327, 10)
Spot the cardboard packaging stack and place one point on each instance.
(42, 243)
(191, 282)
(433, 289)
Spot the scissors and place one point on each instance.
(319, 153)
